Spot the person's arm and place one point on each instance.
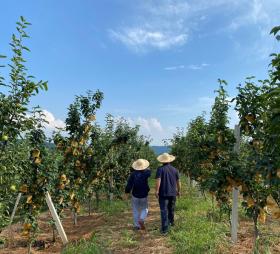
(179, 187)
(178, 183)
(158, 180)
(129, 184)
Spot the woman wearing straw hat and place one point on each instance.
(138, 184)
(167, 188)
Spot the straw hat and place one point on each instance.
(166, 158)
(140, 164)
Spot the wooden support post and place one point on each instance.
(15, 208)
(11, 235)
(234, 215)
(237, 138)
(235, 192)
(56, 219)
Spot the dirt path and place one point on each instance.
(122, 239)
(115, 233)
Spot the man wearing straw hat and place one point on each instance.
(167, 188)
(138, 184)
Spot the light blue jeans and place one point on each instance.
(140, 209)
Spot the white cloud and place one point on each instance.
(257, 12)
(232, 114)
(147, 125)
(191, 67)
(167, 7)
(52, 122)
(173, 68)
(139, 38)
(233, 117)
(164, 24)
(198, 67)
(263, 15)
(157, 25)
(152, 127)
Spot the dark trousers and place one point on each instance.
(167, 207)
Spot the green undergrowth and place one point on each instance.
(195, 232)
(84, 247)
(114, 207)
(93, 246)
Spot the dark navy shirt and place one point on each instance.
(169, 177)
(138, 183)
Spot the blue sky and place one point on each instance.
(157, 62)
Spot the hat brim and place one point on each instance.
(144, 166)
(166, 160)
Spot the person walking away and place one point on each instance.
(138, 184)
(168, 186)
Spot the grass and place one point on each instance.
(269, 238)
(198, 228)
(94, 246)
(195, 233)
(128, 239)
(84, 247)
(114, 207)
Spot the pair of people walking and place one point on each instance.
(167, 189)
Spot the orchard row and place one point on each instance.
(78, 162)
(205, 152)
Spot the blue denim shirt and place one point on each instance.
(138, 183)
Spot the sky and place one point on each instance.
(157, 61)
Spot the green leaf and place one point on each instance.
(275, 30)
(45, 84)
(27, 49)
(251, 77)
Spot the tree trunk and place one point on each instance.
(111, 197)
(213, 205)
(204, 195)
(30, 237)
(97, 199)
(89, 205)
(111, 185)
(256, 230)
(53, 236)
(29, 247)
(190, 181)
(75, 218)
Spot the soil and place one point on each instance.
(116, 234)
(245, 243)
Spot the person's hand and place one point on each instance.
(178, 194)
(157, 196)
(126, 196)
